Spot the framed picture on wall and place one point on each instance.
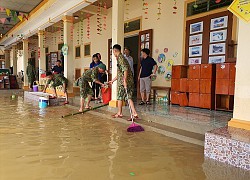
(147, 45)
(87, 50)
(194, 60)
(216, 49)
(142, 37)
(195, 40)
(218, 36)
(195, 51)
(196, 27)
(219, 23)
(216, 59)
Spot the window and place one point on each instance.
(197, 7)
(60, 46)
(78, 52)
(132, 25)
(46, 50)
(87, 50)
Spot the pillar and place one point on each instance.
(117, 38)
(7, 59)
(25, 62)
(41, 54)
(68, 59)
(241, 114)
(14, 59)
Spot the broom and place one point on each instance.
(94, 108)
(133, 127)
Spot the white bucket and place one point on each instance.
(43, 102)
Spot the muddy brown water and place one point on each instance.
(38, 144)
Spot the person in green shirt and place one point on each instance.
(31, 73)
(90, 75)
(57, 80)
(125, 82)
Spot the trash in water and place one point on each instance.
(132, 174)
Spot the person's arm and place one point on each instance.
(46, 86)
(98, 82)
(139, 74)
(155, 69)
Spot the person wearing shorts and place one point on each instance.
(86, 91)
(148, 64)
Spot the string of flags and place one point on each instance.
(12, 15)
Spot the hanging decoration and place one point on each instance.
(15, 15)
(105, 16)
(145, 8)
(195, 4)
(61, 33)
(81, 31)
(159, 10)
(78, 33)
(175, 7)
(127, 12)
(72, 32)
(99, 17)
(88, 26)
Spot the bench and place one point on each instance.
(156, 88)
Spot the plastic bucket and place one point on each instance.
(106, 95)
(35, 88)
(43, 102)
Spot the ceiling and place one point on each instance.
(25, 6)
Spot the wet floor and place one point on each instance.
(38, 144)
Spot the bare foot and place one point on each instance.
(80, 110)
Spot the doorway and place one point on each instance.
(132, 42)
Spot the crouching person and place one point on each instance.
(86, 91)
(57, 80)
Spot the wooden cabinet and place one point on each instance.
(194, 99)
(183, 99)
(224, 102)
(222, 71)
(207, 71)
(179, 71)
(222, 86)
(175, 84)
(194, 85)
(231, 86)
(174, 97)
(206, 86)
(194, 71)
(184, 85)
(232, 71)
(205, 101)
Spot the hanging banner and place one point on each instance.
(13, 13)
(241, 8)
(9, 18)
(20, 18)
(8, 12)
(2, 20)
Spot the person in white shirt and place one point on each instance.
(129, 59)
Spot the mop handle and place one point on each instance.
(130, 110)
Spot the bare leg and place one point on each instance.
(132, 106)
(81, 104)
(66, 96)
(119, 107)
(89, 99)
(148, 96)
(54, 92)
(143, 96)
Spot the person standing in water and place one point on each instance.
(125, 83)
(95, 87)
(31, 73)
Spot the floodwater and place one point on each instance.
(38, 144)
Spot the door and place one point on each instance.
(77, 73)
(145, 41)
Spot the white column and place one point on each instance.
(241, 114)
(117, 37)
(68, 59)
(7, 58)
(14, 58)
(25, 60)
(42, 58)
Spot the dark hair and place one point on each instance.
(117, 46)
(59, 61)
(127, 49)
(48, 73)
(145, 50)
(98, 54)
(95, 56)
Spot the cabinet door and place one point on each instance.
(205, 85)
(194, 85)
(231, 86)
(194, 100)
(183, 99)
(232, 70)
(179, 71)
(222, 71)
(194, 71)
(206, 71)
(205, 101)
(174, 97)
(184, 85)
(222, 86)
(175, 84)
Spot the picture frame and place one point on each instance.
(219, 23)
(195, 51)
(147, 37)
(195, 40)
(196, 27)
(142, 45)
(194, 60)
(216, 59)
(147, 45)
(142, 37)
(217, 49)
(218, 36)
(87, 50)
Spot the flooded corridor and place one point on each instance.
(39, 144)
